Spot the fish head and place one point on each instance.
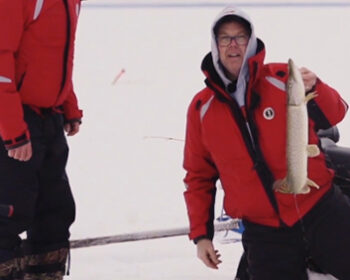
(295, 85)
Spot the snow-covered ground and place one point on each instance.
(125, 172)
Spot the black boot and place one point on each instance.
(45, 264)
(9, 270)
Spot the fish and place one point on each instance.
(297, 148)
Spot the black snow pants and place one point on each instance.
(38, 189)
(283, 253)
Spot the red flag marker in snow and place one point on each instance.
(118, 76)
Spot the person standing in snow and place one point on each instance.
(37, 104)
(236, 132)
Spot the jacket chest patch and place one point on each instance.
(269, 113)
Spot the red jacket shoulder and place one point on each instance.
(200, 98)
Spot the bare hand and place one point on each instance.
(207, 253)
(22, 153)
(309, 78)
(72, 128)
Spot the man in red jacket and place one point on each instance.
(37, 103)
(236, 132)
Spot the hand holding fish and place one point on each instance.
(309, 78)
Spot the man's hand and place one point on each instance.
(309, 78)
(21, 153)
(72, 128)
(207, 253)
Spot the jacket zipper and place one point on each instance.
(66, 49)
(251, 136)
(246, 125)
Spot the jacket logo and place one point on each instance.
(269, 113)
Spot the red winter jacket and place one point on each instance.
(218, 145)
(36, 60)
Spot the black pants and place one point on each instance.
(38, 189)
(283, 253)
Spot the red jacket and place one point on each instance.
(219, 145)
(36, 60)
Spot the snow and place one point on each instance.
(125, 173)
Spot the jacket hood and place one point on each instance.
(243, 76)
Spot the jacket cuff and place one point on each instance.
(197, 239)
(72, 121)
(71, 113)
(18, 141)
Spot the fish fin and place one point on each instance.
(310, 96)
(313, 150)
(312, 183)
(281, 186)
(306, 189)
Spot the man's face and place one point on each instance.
(232, 40)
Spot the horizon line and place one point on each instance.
(266, 4)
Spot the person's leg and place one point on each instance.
(18, 195)
(242, 270)
(329, 235)
(47, 246)
(274, 253)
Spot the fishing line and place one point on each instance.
(302, 226)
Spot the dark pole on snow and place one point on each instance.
(145, 235)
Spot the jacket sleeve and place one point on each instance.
(70, 105)
(327, 108)
(13, 129)
(71, 109)
(200, 179)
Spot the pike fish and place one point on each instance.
(298, 149)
